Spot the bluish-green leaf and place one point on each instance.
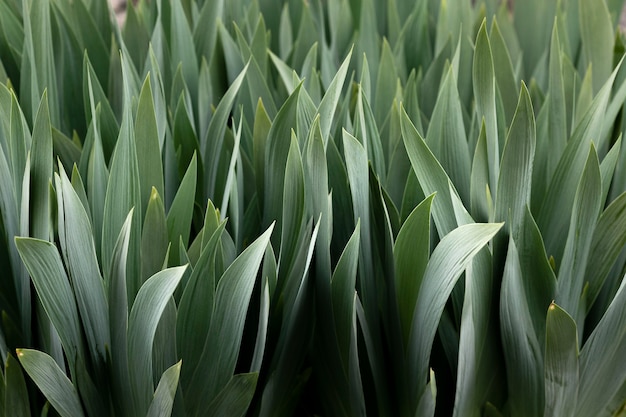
(561, 363)
(163, 399)
(52, 382)
(145, 314)
(448, 261)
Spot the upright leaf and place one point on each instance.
(145, 314)
(561, 363)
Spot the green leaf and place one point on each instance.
(163, 399)
(147, 144)
(556, 209)
(276, 152)
(217, 363)
(145, 314)
(328, 105)
(514, 182)
(44, 265)
(181, 212)
(293, 208)
(205, 30)
(118, 321)
(485, 95)
(480, 195)
(561, 363)
(211, 144)
(235, 397)
(448, 261)
(52, 382)
(446, 135)
(596, 32)
(40, 173)
(123, 193)
(38, 72)
(602, 371)
(15, 393)
(343, 284)
(557, 111)
(182, 48)
(609, 238)
(410, 252)
(522, 351)
(587, 205)
(79, 250)
(196, 306)
(431, 176)
(154, 239)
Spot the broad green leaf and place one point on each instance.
(411, 251)
(317, 201)
(94, 95)
(446, 136)
(480, 195)
(147, 144)
(217, 362)
(293, 208)
(182, 48)
(557, 111)
(553, 218)
(52, 382)
(514, 181)
(181, 212)
(276, 152)
(40, 173)
(561, 363)
(123, 193)
(368, 134)
(79, 251)
(609, 238)
(484, 82)
(522, 352)
(597, 37)
(343, 284)
(357, 168)
(235, 397)
(587, 206)
(328, 105)
(211, 145)
(431, 176)
(504, 73)
(196, 306)
(262, 328)
(385, 84)
(144, 317)
(448, 261)
(183, 131)
(154, 237)
(118, 321)
(601, 368)
(44, 265)
(205, 30)
(38, 71)
(15, 394)
(286, 365)
(163, 399)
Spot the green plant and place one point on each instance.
(339, 208)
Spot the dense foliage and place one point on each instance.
(338, 208)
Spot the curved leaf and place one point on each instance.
(51, 380)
